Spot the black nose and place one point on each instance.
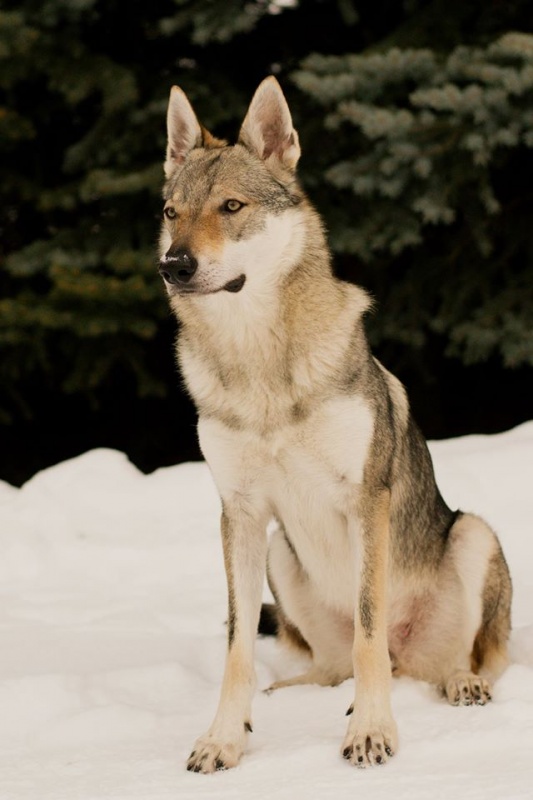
(177, 266)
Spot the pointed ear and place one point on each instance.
(184, 131)
(267, 128)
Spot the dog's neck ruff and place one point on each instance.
(259, 358)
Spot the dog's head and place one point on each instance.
(231, 212)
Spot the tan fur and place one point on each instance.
(372, 736)
(298, 422)
(208, 236)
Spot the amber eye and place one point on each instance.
(170, 213)
(232, 206)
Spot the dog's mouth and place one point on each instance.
(233, 286)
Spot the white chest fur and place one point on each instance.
(307, 475)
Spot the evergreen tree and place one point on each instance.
(432, 159)
(82, 125)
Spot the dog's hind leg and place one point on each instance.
(486, 593)
(462, 645)
(304, 623)
(485, 578)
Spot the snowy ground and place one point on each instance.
(112, 627)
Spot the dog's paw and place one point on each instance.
(366, 748)
(467, 689)
(210, 754)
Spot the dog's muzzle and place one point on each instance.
(178, 267)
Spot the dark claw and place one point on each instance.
(379, 759)
(219, 765)
(388, 751)
(248, 727)
(347, 752)
(360, 759)
(350, 711)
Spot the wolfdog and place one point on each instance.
(371, 572)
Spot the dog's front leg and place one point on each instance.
(371, 736)
(245, 545)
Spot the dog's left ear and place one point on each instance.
(267, 128)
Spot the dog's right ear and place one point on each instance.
(183, 129)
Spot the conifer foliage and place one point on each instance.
(418, 153)
(78, 294)
(432, 153)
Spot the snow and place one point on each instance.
(112, 626)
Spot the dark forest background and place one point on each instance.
(416, 122)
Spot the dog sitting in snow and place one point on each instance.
(371, 572)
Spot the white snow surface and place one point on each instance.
(112, 620)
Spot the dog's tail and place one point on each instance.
(268, 620)
(273, 622)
